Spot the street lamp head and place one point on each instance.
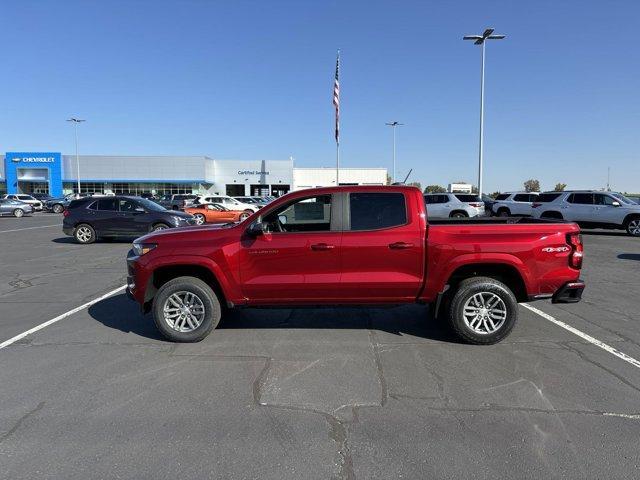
(394, 124)
(75, 120)
(486, 35)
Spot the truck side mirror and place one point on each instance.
(256, 229)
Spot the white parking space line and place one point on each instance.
(6, 343)
(30, 228)
(583, 335)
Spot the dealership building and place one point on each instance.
(57, 174)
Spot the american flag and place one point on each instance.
(336, 97)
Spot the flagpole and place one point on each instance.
(337, 163)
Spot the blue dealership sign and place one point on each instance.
(40, 167)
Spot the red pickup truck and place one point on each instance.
(356, 245)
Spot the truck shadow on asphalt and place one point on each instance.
(120, 313)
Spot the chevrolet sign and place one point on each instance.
(33, 159)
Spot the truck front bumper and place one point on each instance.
(570, 292)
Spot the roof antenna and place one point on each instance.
(405, 179)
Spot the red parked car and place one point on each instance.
(356, 245)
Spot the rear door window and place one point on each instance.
(547, 197)
(581, 198)
(522, 197)
(107, 204)
(373, 211)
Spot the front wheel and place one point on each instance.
(186, 309)
(246, 214)
(18, 213)
(200, 219)
(57, 208)
(159, 226)
(483, 311)
(633, 227)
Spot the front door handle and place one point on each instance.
(400, 245)
(322, 246)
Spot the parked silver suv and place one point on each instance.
(514, 204)
(453, 205)
(590, 209)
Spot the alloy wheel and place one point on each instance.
(243, 216)
(183, 311)
(199, 219)
(484, 313)
(84, 234)
(18, 212)
(634, 227)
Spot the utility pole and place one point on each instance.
(75, 122)
(393, 125)
(480, 40)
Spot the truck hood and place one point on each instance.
(171, 234)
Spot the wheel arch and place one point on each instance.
(504, 272)
(463, 212)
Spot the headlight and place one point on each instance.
(141, 248)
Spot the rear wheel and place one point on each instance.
(200, 219)
(632, 226)
(458, 215)
(18, 212)
(504, 212)
(186, 309)
(57, 208)
(85, 234)
(244, 215)
(483, 311)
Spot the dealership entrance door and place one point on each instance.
(33, 180)
(33, 187)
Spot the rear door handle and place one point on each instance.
(322, 246)
(400, 245)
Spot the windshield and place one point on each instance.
(149, 205)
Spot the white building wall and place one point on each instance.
(326, 177)
(251, 172)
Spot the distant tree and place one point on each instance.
(388, 179)
(434, 189)
(474, 189)
(559, 187)
(494, 195)
(415, 184)
(532, 185)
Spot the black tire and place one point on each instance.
(57, 208)
(487, 287)
(504, 212)
(632, 226)
(200, 219)
(174, 207)
(159, 226)
(85, 234)
(18, 213)
(195, 286)
(458, 215)
(246, 214)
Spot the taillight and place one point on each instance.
(535, 205)
(577, 251)
(66, 213)
(477, 205)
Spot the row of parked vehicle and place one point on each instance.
(589, 208)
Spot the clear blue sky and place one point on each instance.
(253, 80)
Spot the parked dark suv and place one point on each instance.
(90, 218)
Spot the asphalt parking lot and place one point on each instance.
(312, 393)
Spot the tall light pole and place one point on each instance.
(481, 40)
(393, 125)
(76, 121)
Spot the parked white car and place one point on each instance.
(590, 209)
(453, 205)
(226, 201)
(514, 204)
(24, 198)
